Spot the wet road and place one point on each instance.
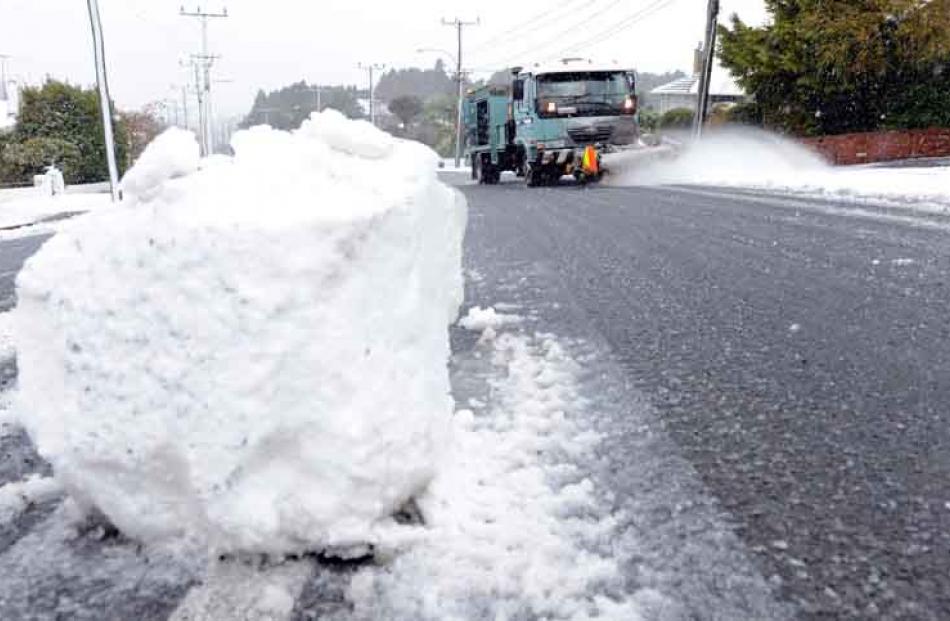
(796, 351)
(771, 374)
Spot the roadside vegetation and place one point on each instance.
(844, 66)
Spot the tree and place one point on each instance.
(19, 161)
(53, 116)
(677, 118)
(834, 66)
(422, 83)
(288, 107)
(140, 129)
(406, 108)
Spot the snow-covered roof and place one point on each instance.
(569, 65)
(721, 83)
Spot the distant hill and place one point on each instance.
(286, 108)
(426, 84)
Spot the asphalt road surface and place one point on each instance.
(771, 373)
(797, 352)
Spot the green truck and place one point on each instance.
(550, 121)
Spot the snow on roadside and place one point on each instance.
(760, 160)
(16, 497)
(513, 528)
(21, 208)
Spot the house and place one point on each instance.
(9, 104)
(684, 92)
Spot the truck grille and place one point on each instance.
(584, 135)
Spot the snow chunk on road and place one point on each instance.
(16, 497)
(251, 356)
(479, 318)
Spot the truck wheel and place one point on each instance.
(532, 176)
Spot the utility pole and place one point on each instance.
(3, 76)
(370, 68)
(204, 82)
(458, 24)
(709, 56)
(105, 103)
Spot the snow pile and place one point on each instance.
(251, 356)
(760, 160)
(514, 529)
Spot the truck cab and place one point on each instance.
(557, 117)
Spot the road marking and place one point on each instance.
(245, 591)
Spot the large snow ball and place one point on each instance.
(249, 352)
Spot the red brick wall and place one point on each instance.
(882, 146)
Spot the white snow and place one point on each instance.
(16, 497)
(761, 160)
(513, 528)
(25, 206)
(251, 356)
(478, 319)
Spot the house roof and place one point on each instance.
(721, 83)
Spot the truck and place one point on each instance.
(551, 120)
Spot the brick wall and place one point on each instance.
(882, 146)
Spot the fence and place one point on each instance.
(882, 146)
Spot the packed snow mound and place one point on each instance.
(172, 154)
(252, 356)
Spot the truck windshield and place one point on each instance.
(583, 93)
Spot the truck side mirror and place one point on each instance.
(517, 90)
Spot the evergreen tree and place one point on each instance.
(834, 66)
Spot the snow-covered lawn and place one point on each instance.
(25, 206)
(765, 161)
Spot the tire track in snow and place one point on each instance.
(514, 528)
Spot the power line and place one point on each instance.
(532, 23)
(205, 60)
(620, 26)
(572, 29)
(605, 34)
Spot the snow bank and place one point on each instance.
(251, 352)
(25, 206)
(760, 160)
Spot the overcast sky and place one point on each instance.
(273, 43)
